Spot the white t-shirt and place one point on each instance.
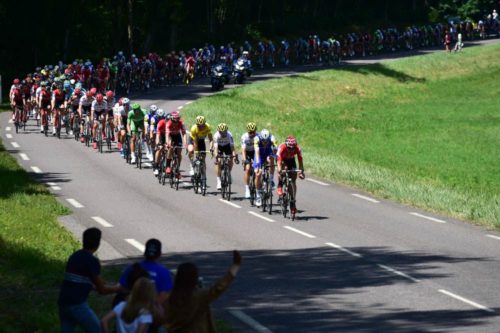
(121, 327)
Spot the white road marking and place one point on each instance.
(365, 198)
(180, 107)
(261, 217)
(36, 169)
(428, 218)
(299, 232)
(51, 184)
(149, 165)
(11, 121)
(392, 270)
(493, 236)
(136, 244)
(8, 136)
(24, 157)
(14, 144)
(187, 103)
(75, 203)
(256, 326)
(343, 249)
(229, 203)
(54, 187)
(102, 221)
(465, 300)
(317, 181)
(8, 128)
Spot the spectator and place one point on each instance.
(187, 310)
(447, 41)
(81, 275)
(135, 314)
(160, 275)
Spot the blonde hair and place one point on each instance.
(140, 300)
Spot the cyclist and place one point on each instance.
(74, 101)
(223, 145)
(44, 103)
(17, 100)
(57, 104)
(265, 148)
(149, 122)
(120, 112)
(136, 119)
(248, 154)
(196, 139)
(286, 161)
(98, 112)
(159, 124)
(84, 109)
(110, 102)
(175, 135)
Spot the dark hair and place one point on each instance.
(152, 249)
(91, 238)
(186, 280)
(135, 273)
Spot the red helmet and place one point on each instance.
(89, 94)
(93, 91)
(291, 142)
(99, 98)
(175, 115)
(16, 81)
(77, 91)
(109, 94)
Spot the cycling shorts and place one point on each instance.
(134, 127)
(250, 156)
(201, 143)
(226, 150)
(290, 164)
(85, 109)
(177, 140)
(99, 114)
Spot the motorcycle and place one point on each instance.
(218, 77)
(239, 71)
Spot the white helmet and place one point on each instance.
(264, 134)
(125, 100)
(160, 113)
(153, 108)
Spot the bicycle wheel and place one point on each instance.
(203, 186)
(269, 197)
(223, 181)
(109, 135)
(264, 195)
(251, 185)
(177, 175)
(138, 160)
(163, 166)
(228, 187)
(171, 175)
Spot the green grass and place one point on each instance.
(422, 130)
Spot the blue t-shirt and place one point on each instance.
(157, 273)
(82, 268)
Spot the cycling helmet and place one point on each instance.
(77, 91)
(265, 135)
(153, 108)
(251, 127)
(168, 116)
(136, 107)
(16, 81)
(72, 81)
(291, 142)
(93, 91)
(222, 127)
(161, 113)
(200, 120)
(99, 98)
(176, 115)
(125, 101)
(88, 94)
(78, 85)
(109, 94)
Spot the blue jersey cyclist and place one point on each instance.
(265, 151)
(149, 121)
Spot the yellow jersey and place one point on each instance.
(200, 134)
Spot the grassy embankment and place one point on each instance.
(423, 130)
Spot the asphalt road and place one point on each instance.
(349, 263)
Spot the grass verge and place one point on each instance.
(423, 130)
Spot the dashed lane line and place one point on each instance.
(36, 169)
(11, 121)
(343, 249)
(299, 231)
(365, 198)
(261, 217)
(8, 128)
(256, 326)
(136, 244)
(14, 144)
(230, 203)
(433, 219)
(24, 157)
(493, 236)
(102, 222)
(317, 182)
(187, 103)
(8, 136)
(465, 300)
(395, 271)
(54, 186)
(180, 107)
(74, 203)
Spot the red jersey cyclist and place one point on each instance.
(286, 161)
(175, 134)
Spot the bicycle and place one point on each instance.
(108, 132)
(87, 130)
(225, 177)
(199, 179)
(267, 189)
(162, 165)
(175, 174)
(76, 126)
(98, 134)
(17, 117)
(126, 149)
(287, 199)
(138, 148)
(57, 122)
(251, 184)
(45, 121)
